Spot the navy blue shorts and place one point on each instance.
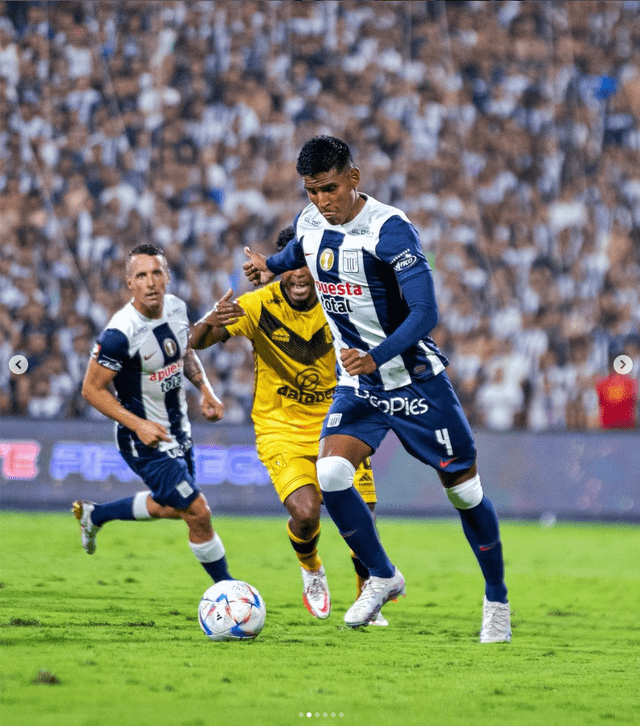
(169, 476)
(426, 416)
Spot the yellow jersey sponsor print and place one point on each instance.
(294, 365)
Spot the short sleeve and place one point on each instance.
(111, 349)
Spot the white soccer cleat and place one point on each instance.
(315, 593)
(376, 591)
(379, 620)
(88, 530)
(496, 622)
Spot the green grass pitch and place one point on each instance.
(113, 640)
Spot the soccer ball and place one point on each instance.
(231, 610)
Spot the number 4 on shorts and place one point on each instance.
(443, 438)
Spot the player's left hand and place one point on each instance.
(211, 406)
(356, 362)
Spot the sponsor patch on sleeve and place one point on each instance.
(106, 362)
(404, 261)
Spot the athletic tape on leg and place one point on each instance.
(210, 551)
(140, 508)
(335, 474)
(466, 495)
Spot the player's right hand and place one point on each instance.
(151, 433)
(256, 268)
(225, 311)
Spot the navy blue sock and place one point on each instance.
(480, 525)
(120, 509)
(218, 570)
(355, 523)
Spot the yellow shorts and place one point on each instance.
(289, 473)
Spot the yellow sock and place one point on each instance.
(306, 550)
(362, 573)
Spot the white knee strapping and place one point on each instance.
(210, 551)
(466, 495)
(334, 473)
(140, 508)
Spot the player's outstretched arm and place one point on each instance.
(211, 406)
(95, 389)
(210, 329)
(256, 268)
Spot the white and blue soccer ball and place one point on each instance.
(232, 610)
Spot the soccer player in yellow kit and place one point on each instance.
(294, 382)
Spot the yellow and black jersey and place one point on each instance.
(294, 364)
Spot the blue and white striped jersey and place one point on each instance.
(147, 355)
(359, 269)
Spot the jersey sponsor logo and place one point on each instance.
(111, 363)
(307, 381)
(307, 398)
(280, 335)
(174, 381)
(334, 420)
(327, 259)
(350, 261)
(312, 222)
(339, 288)
(395, 404)
(169, 370)
(336, 305)
(141, 330)
(170, 347)
(404, 260)
(362, 232)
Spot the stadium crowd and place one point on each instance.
(507, 131)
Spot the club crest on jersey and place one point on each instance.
(326, 260)
(350, 261)
(170, 347)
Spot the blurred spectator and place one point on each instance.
(618, 400)
(507, 131)
(499, 401)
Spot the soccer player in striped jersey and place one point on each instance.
(377, 292)
(144, 352)
(294, 382)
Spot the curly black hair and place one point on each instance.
(285, 236)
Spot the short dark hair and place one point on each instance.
(144, 249)
(321, 154)
(285, 236)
